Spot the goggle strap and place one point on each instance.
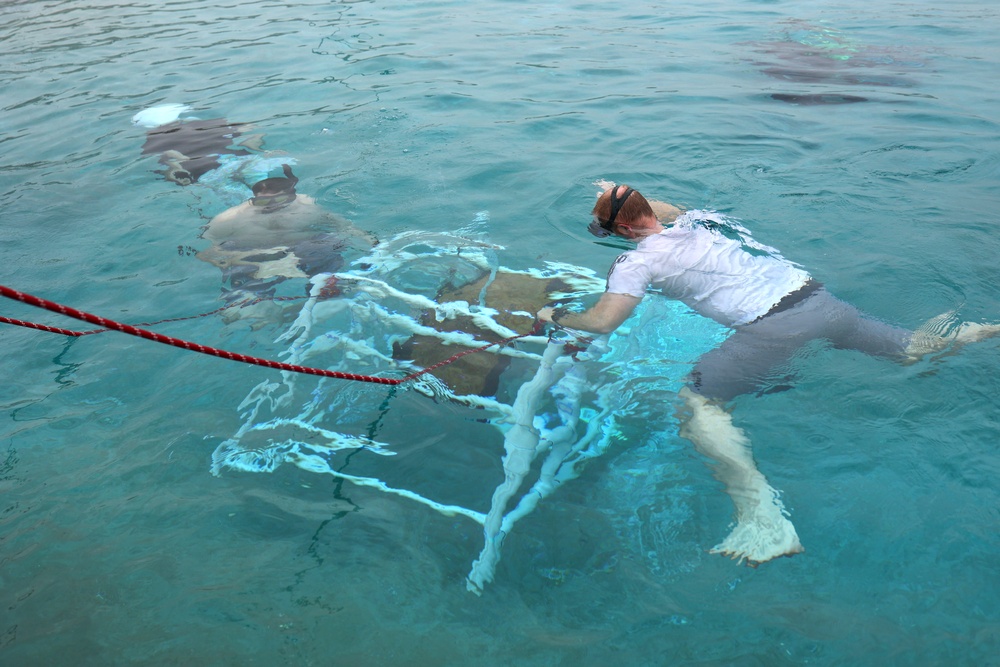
(617, 203)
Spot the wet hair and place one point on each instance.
(634, 208)
(274, 186)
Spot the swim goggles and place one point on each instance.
(603, 228)
(273, 202)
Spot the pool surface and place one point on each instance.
(164, 507)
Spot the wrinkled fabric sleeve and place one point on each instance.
(628, 275)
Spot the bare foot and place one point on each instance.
(973, 332)
(762, 532)
(945, 331)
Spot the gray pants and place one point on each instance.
(747, 360)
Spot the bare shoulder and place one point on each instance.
(231, 213)
(226, 224)
(663, 211)
(603, 185)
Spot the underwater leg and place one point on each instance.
(762, 530)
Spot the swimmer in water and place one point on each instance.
(276, 235)
(818, 61)
(189, 149)
(772, 307)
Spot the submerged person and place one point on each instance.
(276, 235)
(189, 149)
(772, 307)
(815, 54)
(217, 154)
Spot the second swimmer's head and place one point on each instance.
(274, 193)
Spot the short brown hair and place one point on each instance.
(634, 208)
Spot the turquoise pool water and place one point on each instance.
(860, 140)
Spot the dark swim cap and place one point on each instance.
(277, 185)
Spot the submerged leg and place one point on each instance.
(762, 530)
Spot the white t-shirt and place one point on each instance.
(710, 263)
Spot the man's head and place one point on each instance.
(274, 193)
(620, 210)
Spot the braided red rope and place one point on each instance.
(38, 302)
(70, 332)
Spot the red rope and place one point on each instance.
(70, 332)
(42, 327)
(203, 349)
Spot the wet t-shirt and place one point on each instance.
(709, 263)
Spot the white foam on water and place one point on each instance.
(292, 421)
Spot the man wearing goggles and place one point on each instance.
(773, 308)
(276, 235)
(603, 228)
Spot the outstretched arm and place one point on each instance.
(353, 235)
(604, 317)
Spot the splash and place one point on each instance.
(386, 301)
